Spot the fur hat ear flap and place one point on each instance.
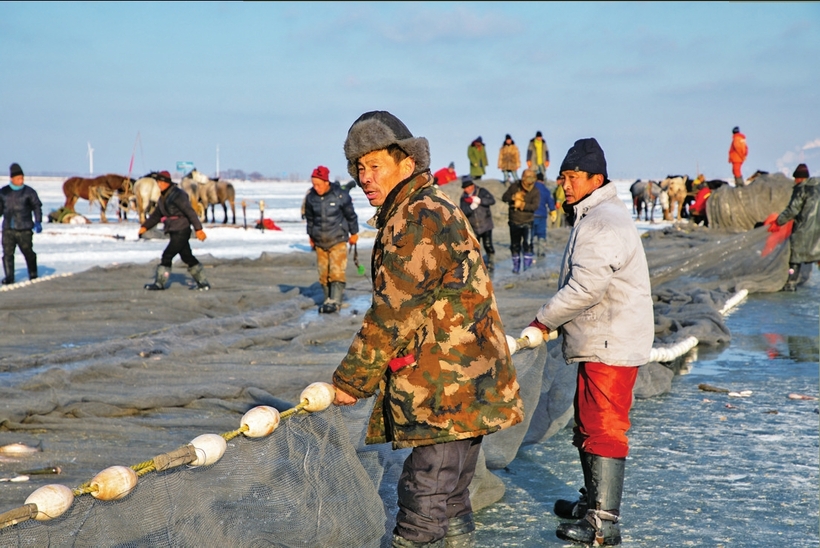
(377, 130)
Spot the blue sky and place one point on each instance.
(276, 85)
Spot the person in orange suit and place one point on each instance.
(737, 154)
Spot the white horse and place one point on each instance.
(146, 191)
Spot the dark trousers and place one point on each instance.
(179, 244)
(433, 488)
(520, 237)
(22, 239)
(486, 239)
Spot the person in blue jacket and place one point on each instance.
(17, 204)
(546, 208)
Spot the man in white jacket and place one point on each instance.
(603, 307)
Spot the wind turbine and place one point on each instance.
(90, 160)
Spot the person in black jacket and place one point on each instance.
(331, 224)
(523, 199)
(17, 203)
(475, 203)
(175, 210)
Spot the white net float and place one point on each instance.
(51, 501)
(512, 344)
(113, 483)
(209, 449)
(261, 421)
(533, 335)
(319, 396)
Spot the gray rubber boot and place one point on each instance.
(334, 302)
(739, 181)
(600, 525)
(401, 542)
(576, 509)
(460, 532)
(161, 277)
(197, 272)
(8, 268)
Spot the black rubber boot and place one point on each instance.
(8, 268)
(576, 509)
(460, 532)
(161, 277)
(600, 525)
(197, 272)
(32, 268)
(334, 302)
(490, 262)
(794, 277)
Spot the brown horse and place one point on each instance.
(99, 189)
(218, 192)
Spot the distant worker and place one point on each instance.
(332, 223)
(538, 154)
(737, 154)
(697, 211)
(477, 155)
(546, 211)
(522, 198)
(804, 208)
(175, 210)
(509, 160)
(560, 198)
(445, 175)
(475, 203)
(17, 204)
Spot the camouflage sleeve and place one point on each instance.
(404, 287)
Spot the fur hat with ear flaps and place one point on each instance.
(378, 129)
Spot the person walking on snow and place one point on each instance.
(18, 202)
(509, 160)
(475, 203)
(603, 308)
(737, 154)
(538, 154)
(175, 211)
(432, 348)
(332, 223)
(546, 210)
(522, 198)
(477, 154)
(804, 209)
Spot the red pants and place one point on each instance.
(736, 169)
(603, 398)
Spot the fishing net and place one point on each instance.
(139, 388)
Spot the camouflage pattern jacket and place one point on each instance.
(431, 347)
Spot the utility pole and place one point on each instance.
(90, 160)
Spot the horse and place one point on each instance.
(217, 192)
(675, 187)
(643, 194)
(146, 191)
(190, 187)
(99, 189)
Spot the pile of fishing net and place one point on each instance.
(313, 481)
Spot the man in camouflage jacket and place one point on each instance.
(431, 347)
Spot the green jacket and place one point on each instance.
(804, 208)
(478, 160)
(435, 310)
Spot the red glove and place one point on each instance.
(771, 222)
(539, 325)
(468, 199)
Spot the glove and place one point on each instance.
(474, 205)
(142, 231)
(542, 327)
(553, 215)
(353, 239)
(312, 245)
(200, 235)
(38, 227)
(518, 204)
(468, 200)
(476, 200)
